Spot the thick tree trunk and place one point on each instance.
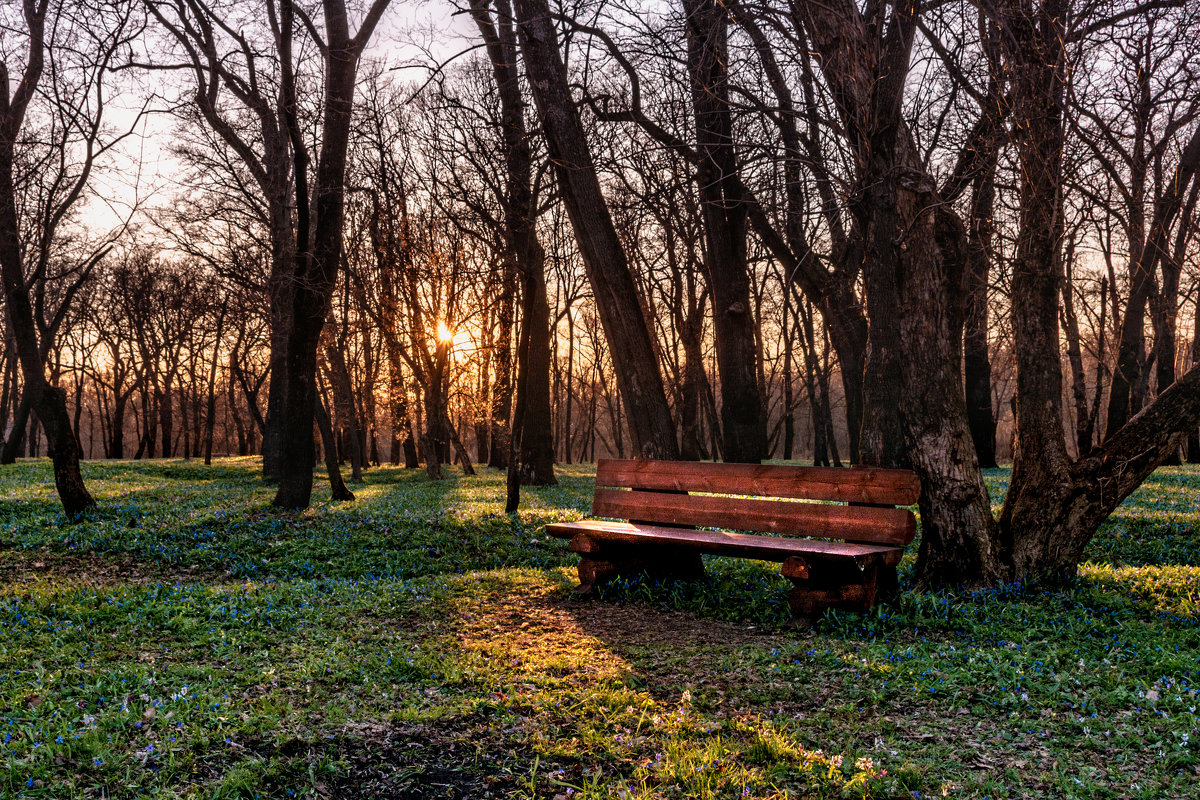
(1036, 510)
(318, 258)
(723, 208)
(957, 528)
(630, 341)
(915, 250)
(272, 441)
(531, 437)
(434, 439)
(50, 405)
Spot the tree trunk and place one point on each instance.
(531, 436)
(502, 387)
(537, 439)
(15, 442)
(318, 257)
(210, 416)
(743, 418)
(692, 390)
(1164, 306)
(116, 431)
(434, 438)
(789, 418)
(1193, 437)
(337, 486)
(163, 401)
(1036, 508)
(343, 398)
(48, 402)
(630, 341)
(1083, 419)
(913, 250)
(1128, 379)
(977, 367)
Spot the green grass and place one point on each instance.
(185, 641)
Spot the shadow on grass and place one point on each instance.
(445, 757)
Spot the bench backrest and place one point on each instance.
(747, 497)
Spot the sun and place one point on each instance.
(444, 334)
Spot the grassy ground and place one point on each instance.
(187, 642)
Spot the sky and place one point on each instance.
(413, 35)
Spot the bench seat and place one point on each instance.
(721, 543)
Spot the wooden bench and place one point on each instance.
(849, 563)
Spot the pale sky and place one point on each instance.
(413, 33)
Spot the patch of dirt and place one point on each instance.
(450, 759)
(459, 758)
(20, 569)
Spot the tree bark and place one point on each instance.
(337, 487)
(48, 402)
(723, 209)
(630, 341)
(1083, 418)
(537, 437)
(1193, 437)
(531, 434)
(318, 258)
(913, 249)
(977, 367)
(343, 399)
(15, 442)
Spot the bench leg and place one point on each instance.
(600, 562)
(815, 590)
(888, 588)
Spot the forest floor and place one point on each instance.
(186, 641)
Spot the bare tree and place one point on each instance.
(59, 80)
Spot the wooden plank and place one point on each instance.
(894, 526)
(746, 545)
(846, 485)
